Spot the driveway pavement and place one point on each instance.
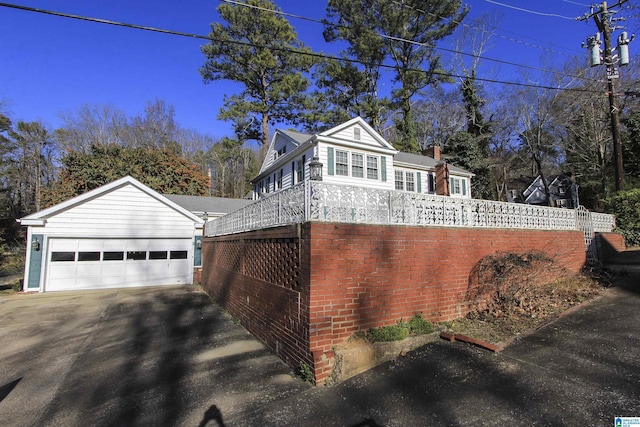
(169, 356)
(159, 356)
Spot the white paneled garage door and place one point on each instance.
(114, 263)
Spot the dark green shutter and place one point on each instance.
(383, 168)
(330, 160)
(419, 178)
(464, 187)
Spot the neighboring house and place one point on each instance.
(354, 153)
(122, 234)
(563, 192)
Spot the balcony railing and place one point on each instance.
(319, 201)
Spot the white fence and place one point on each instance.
(319, 201)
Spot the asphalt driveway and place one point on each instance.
(169, 356)
(159, 356)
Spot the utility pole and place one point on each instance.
(603, 18)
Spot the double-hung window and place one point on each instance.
(372, 167)
(410, 181)
(300, 169)
(399, 179)
(357, 165)
(342, 163)
(458, 186)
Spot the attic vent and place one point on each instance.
(356, 133)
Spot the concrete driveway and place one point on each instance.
(160, 356)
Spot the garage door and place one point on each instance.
(115, 263)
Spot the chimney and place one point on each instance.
(433, 151)
(442, 179)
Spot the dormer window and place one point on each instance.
(356, 133)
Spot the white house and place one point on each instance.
(353, 153)
(122, 234)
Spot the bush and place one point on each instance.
(416, 326)
(420, 326)
(625, 205)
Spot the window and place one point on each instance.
(356, 133)
(178, 255)
(372, 167)
(300, 169)
(357, 165)
(137, 255)
(157, 254)
(458, 186)
(277, 179)
(268, 184)
(342, 163)
(432, 183)
(113, 256)
(411, 182)
(399, 180)
(88, 256)
(63, 256)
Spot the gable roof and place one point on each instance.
(39, 218)
(357, 121)
(207, 204)
(425, 161)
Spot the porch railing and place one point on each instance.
(319, 201)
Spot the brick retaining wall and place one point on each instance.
(306, 288)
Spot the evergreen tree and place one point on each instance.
(254, 48)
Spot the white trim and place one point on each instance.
(42, 215)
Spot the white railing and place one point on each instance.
(319, 201)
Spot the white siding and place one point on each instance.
(350, 180)
(348, 134)
(124, 212)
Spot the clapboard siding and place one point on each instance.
(126, 211)
(348, 134)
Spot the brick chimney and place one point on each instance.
(433, 151)
(442, 179)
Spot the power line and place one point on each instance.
(552, 15)
(392, 38)
(518, 41)
(275, 48)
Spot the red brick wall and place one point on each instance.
(609, 244)
(259, 277)
(354, 277)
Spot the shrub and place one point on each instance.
(420, 326)
(388, 333)
(625, 205)
(416, 326)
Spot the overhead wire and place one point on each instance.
(399, 39)
(275, 48)
(521, 9)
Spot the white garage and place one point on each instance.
(120, 235)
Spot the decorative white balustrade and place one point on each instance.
(319, 201)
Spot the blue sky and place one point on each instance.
(53, 64)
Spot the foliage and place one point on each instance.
(419, 326)
(160, 169)
(304, 373)
(400, 331)
(388, 333)
(27, 166)
(232, 166)
(625, 205)
(410, 36)
(254, 48)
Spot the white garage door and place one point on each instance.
(116, 263)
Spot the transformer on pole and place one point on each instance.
(604, 20)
